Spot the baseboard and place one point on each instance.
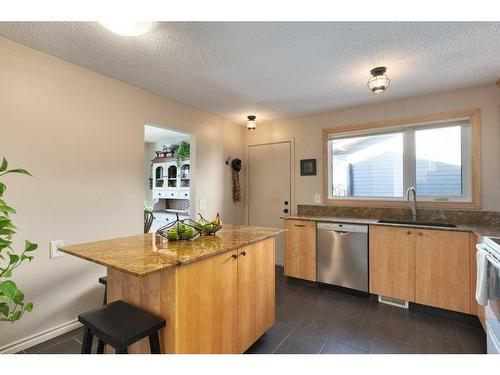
(40, 337)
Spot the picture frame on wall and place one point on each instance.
(308, 167)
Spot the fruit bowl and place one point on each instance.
(177, 230)
(203, 226)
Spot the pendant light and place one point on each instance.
(379, 81)
(251, 122)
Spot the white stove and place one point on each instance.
(491, 247)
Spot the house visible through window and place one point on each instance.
(435, 158)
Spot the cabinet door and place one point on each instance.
(442, 269)
(392, 266)
(207, 306)
(300, 249)
(256, 299)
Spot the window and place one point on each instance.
(382, 162)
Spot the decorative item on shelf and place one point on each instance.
(308, 167)
(251, 122)
(379, 81)
(178, 230)
(183, 152)
(205, 227)
(236, 167)
(170, 149)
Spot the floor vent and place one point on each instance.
(394, 302)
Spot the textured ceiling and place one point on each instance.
(277, 69)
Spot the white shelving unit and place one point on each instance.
(170, 181)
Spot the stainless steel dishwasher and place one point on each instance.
(343, 255)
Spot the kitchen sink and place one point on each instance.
(411, 222)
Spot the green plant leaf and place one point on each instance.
(18, 170)
(18, 297)
(7, 273)
(13, 258)
(2, 188)
(8, 289)
(15, 316)
(30, 246)
(4, 243)
(4, 309)
(29, 306)
(4, 165)
(6, 209)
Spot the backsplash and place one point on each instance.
(440, 216)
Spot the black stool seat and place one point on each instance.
(120, 324)
(103, 280)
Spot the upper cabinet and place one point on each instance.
(171, 181)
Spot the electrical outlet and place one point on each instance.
(317, 198)
(54, 249)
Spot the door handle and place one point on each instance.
(285, 210)
(285, 203)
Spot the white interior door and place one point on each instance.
(269, 188)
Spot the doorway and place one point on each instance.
(270, 187)
(168, 174)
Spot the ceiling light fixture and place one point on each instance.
(128, 28)
(251, 122)
(379, 81)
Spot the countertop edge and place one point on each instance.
(178, 263)
(478, 230)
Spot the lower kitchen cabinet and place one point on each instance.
(226, 302)
(392, 257)
(442, 269)
(300, 249)
(256, 293)
(207, 306)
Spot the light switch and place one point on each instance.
(203, 204)
(54, 249)
(317, 198)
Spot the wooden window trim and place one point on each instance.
(473, 114)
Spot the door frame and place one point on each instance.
(192, 161)
(291, 141)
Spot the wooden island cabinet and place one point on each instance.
(216, 293)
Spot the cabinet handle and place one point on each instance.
(409, 232)
(300, 225)
(234, 256)
(243, 253)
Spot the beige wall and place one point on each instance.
(81, 134)
(308, 138)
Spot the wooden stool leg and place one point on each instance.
(100, 347)
(87, 341)
(122, 351)
(154, 343)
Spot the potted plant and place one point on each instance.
(183, 152)
(12, 303)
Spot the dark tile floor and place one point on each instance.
(312, 320)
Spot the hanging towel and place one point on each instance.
(236, 166)
(482, 276)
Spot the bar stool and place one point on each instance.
(120, 325)
(104, 281)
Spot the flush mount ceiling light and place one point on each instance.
(128, 28)
(251, 122)
(379, 81)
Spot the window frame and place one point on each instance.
(473, 201)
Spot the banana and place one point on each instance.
(217, 220)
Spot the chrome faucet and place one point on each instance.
(413, 199)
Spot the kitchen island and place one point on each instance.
(216, 293)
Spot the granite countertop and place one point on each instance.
(144, 254)
(479, 229)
